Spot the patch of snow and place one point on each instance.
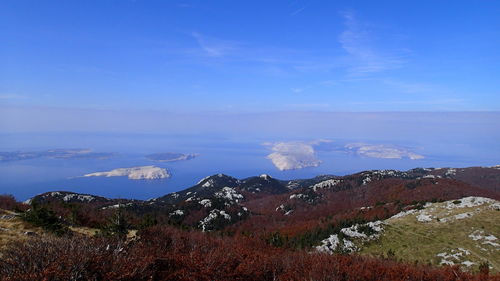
(111, 207)
(286, 211)
(352, 232)
(265, 176)
(426, 214)
(468, 263)
(298, 196)
(214, 214)
(292, 185)
(431, 177)
(206, 203)
(208, 183)
(79, 197)
(453, 257)
(463, 216)
(366, 180)
(117, 206)
(177, 213)
(423, 217)
(479, 235)
(332, 244)
(229, 193)
(469, 202)
(192, 198)
(450, 172)
(326, 184)
(376, 225)
(495, 206)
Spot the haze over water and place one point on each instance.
(241, 154)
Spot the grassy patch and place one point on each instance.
(410, 240)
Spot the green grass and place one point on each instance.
(414, 241)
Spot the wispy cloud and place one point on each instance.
(356, 41)
(298, 6)
(412, 88)
(308, 106)
(214, 47)
(185, 5)
(430, 103)
(11, 97)
(298, 11)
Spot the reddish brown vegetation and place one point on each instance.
(387, 197)
(8, 202)
(165, 253)
(487, 178)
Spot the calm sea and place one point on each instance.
(236, 156)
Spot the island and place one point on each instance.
(135, 173)
(170, 156)
(382, 151)
(292, 155)
(76, 153)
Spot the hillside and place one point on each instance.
(398, 221)
(458, 232)
(463, 232)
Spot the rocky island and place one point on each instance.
(135, 173)
(170, 157)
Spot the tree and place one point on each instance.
(117, 225)
(45, 218)
(148, 221)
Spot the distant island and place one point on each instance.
(292, 155)
(135, 173)
(170, 157)
(75, 153)
(382, 151)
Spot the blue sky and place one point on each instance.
(250, 56)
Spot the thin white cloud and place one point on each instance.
(298, 11)
(412, 88)
(11, 97)
(214, 47)
(308, 106)
(355, 40)
(454, 103)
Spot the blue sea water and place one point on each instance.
(236, 156)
